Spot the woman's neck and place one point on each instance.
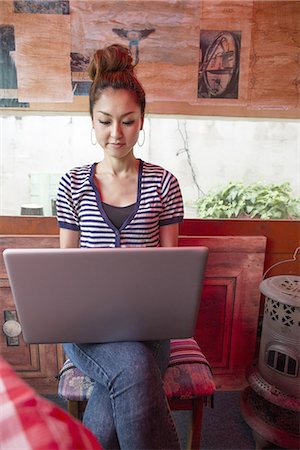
(118, 167)
(117, 181)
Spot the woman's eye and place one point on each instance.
(104, 122)
(129, 122)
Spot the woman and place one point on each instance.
(121, 201)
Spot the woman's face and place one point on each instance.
(117, 120)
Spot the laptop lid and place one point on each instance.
(106, 294)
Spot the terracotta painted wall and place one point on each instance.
(171, 41)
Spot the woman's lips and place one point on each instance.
(116, 144)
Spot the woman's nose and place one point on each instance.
(116, 131)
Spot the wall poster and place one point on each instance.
(219, 64)
(35, 52)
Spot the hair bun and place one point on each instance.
(114, 58)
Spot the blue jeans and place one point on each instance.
(128, 408)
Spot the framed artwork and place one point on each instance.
(35, 50)
(8, 71)
(219, 64)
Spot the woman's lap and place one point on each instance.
(128, 408)
(115, 356)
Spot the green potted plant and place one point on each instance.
(256, 200)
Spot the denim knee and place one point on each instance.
(137, 365)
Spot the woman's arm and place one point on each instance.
(68, 238)
(169, 235)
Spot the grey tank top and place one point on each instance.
(118, 214)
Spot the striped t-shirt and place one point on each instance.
(79, 207)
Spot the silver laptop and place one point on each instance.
(106, 294)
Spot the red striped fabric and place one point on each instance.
(30, 422)
(186, 351)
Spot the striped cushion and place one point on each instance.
(186, 351)
(188, 375)
(73, 384)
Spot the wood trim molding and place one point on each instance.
(283, 236)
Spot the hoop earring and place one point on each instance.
(94, 142)
(144, 137)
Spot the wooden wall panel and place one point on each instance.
(28, 225)
(226, 326)
(38, 364)
(283, 237)
(229, 310)
(214, 335)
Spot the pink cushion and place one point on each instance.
(187, 381)
(188, 375)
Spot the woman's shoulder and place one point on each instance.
(78, 172)
(156, 171)
(76, 178)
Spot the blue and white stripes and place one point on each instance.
(79, 207)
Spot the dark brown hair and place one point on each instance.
(112, 67)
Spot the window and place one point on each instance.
(205, 154)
